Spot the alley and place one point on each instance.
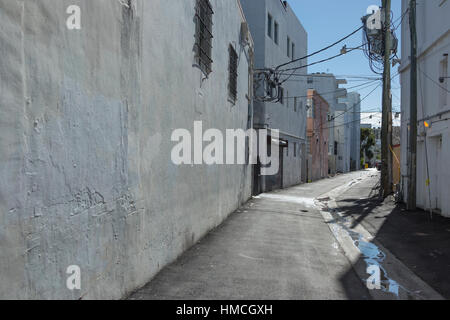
(278, 246)
(281, 245)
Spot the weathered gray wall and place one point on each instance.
(86, 118)
(283, 117)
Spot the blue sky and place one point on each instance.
(329, 20)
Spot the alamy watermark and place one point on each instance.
(73, 281)
(235, 146)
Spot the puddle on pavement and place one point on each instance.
(372, 256)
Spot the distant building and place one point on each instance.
(327, 86)
(318, 135)
(354, 107)
(279, 38)
(433, 149)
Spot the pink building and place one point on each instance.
(317, 135)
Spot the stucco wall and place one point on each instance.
(283, 117)
(86, 118)
(433, 151)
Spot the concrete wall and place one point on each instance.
(433, 32)
(283, 117)
(86, 118)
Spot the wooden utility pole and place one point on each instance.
(412, 173)
(386, 130)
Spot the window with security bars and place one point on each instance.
(203, 35)
(232, 68)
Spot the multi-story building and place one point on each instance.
(347, 127)
(317, 132)
(327, 86)
(279, 38)
(354, 104)
(88, 115)
(433, 112)
(342, 134)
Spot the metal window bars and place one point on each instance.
(203, 35)
(233, 65)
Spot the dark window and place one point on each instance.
(295, 149)
(232, 68)
(203, 35)
(293, 51)
(276, 33)
(269, 25)
(281, 95)
(288, 47)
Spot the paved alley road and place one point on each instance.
(276, 247)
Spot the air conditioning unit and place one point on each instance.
(245, 33)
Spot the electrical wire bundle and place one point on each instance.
(374, 43)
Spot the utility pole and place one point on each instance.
(386, 130)
(412, 173)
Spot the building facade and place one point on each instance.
(318, 135)
(87, 117)
(279, 38)
(354, 104)
(327, 86)
(347, 128)
(433, 143)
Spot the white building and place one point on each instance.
(433, 150)
(342, 133)
(354, 105)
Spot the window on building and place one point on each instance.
(276, 32)
(293, 51)
(281, 94)
(287, 150)
(203, 35)
(295, 149)
(288, 47)
(295, 104)
(310, 80)
(232, 69)
(444, 82)
(269, 25)
(287, 99)
(310, 107)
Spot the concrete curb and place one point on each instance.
(398, 281)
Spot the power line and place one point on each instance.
(432, 80)
(353, 107)
(317, 62)
(364, 98)
(332, 92)
(402, 17)
(343, 124)
(324, 60)
(319, 51)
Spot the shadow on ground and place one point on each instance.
(418, 240)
